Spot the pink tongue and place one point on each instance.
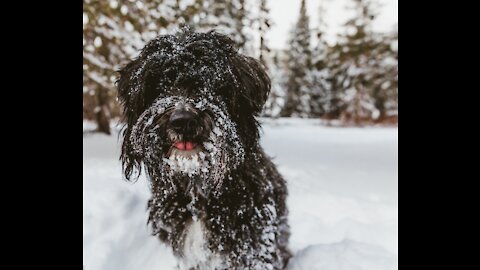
(185, 145)
(180, 145)
(189, 146)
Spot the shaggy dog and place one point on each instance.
(190, 102)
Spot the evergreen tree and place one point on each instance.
(299, 84)
(240, 16)
(277, 71)
(264, 23)
(356, 79)
(361, 67)
(225, 16)
(390, 84)
(113, 33)
(190, 13)
(271, 61)
(321, 96)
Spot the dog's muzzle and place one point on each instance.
(184, 122)
(188, 128)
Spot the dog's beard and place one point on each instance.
(191, 162)
(196, 172)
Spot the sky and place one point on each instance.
(284, 14)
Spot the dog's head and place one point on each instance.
(190, 102)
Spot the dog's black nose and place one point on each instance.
(183, 121)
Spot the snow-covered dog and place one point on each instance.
(190, 102)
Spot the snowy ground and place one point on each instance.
(343, 200)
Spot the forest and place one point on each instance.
(353, 81)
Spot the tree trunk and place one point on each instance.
(101, 112)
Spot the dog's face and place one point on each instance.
(190, 103)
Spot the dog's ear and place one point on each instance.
(253, 81)
(129, 86)
(130, 92)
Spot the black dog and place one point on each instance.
(190, 102)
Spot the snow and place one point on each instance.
(344, 255)
(343, 199)
(187, 165)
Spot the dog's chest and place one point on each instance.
(196, 254)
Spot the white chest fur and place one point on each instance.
(196, 253)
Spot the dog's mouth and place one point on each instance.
(186, 157)
(185, 149)
(185, 146)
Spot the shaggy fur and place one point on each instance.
(222, 205)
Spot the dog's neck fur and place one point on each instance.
(198, 240)
(196, 254)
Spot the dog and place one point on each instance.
(190, 103)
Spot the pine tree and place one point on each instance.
(360, 68)
(271, 61)
(264, 24)
(299, 84)
(113, 33)
(321, 96)
(277, 71)
(240, 16)
(225, 16)
(389, 85)
(189, 13)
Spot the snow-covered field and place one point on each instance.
(343, 200)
